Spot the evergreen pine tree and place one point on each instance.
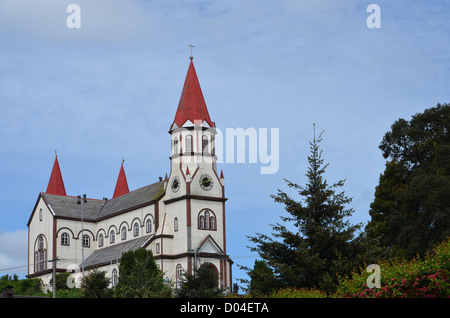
(323, 246)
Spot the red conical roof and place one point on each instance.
(192, 105)
(122, 184)
(56, 184)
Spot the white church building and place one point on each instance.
(181, 218)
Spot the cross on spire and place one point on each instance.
(191, 57)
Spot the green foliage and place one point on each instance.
(290, 292)
(30, 287)
(324, 243)
(262, 281)
(420, 277)
(95, 285)
(61, 281)
(411, 210)
(140, 277)
(67, 293)
(203, 283)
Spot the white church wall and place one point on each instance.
(41, 223)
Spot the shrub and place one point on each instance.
(427, 277)
(290, 292)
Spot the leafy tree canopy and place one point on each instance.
(411, 209)
(140, 277)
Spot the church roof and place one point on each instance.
(114, 252)
(56, 184)
(192, 105)
(122, 184)
(95, 210)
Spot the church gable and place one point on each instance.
(210, 246)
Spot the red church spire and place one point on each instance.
(192, 105)
(122, 184)
(56, 184)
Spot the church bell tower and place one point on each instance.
(194, 189)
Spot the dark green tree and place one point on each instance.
(95, 285)
(140, 277)
(322, 245)
(262, 280)
(411, 210)
(202, 283)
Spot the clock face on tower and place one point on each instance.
(175, 184)
(206, 182)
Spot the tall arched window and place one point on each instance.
(189, 143)
(175, 146)
(179, 275)
(148, 226)
(204, 144)
(100, 240)
(201, 222)
(124, 233)
(114, 279)
(136, 229)
(212, 223)
(207, 220)
(112, 237)
(175, 224)
(40, 255)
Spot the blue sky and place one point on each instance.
(110, 89)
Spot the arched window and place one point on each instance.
(179, 275)
(112, 237)
(175, 146)
(65, 239)
(100, 240)
(40, 215)
(189, 143)
(201, 222)
(148, 226)
(211, 267)
(40, 255)
(114, 277)
(124, 233)
(86, 240)
(204, 144)
(212, 223)
(207, 220)
(136, 229)
(175, 224)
